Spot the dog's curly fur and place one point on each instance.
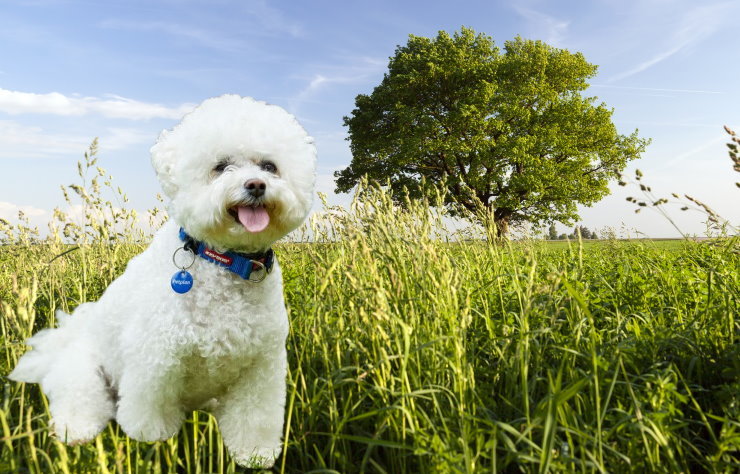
(146, 355)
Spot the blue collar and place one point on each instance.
(243, 264)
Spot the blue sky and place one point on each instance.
(71, 70)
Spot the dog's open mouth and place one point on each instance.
(253, 218)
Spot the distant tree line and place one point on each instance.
(552, 233)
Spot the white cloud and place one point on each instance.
(54, 103)
(21, 141)
(325, 182)
(358, 71)
(271, 19)
(208, 39)
(9, 211)
(254, 17)
(550, 29)
(700, 153)
(649, 63)
(119, 138)
(316, 83)
(693, 26)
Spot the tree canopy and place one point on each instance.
(507, 131)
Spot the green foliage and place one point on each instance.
(412, 353)
(507, 131)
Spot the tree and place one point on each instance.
(509, 133)
(552, 232)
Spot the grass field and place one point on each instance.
(657, 244)
(412, 354)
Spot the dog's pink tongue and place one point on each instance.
(253, 218)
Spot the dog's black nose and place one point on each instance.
(255, 187)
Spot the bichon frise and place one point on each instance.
(198, 319)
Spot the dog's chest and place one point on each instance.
(226, 315)
(209, 378)
(226, 324)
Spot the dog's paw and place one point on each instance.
(74, 424)
(149, 426)
(74, 432)
(258, 458)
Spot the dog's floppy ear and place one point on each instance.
(163, 160)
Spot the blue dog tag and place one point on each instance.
(182, 281)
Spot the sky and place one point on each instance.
(72, 70)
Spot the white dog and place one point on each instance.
(239, 175)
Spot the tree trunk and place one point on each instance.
(497, 227)
(502, 227)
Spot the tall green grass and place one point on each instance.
(413, 353)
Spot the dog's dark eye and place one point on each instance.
(268, 166)
(221, 166)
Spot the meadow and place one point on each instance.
(412, 352)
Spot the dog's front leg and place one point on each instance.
(149, 407)
(251, 415)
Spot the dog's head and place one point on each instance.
(239, 173)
